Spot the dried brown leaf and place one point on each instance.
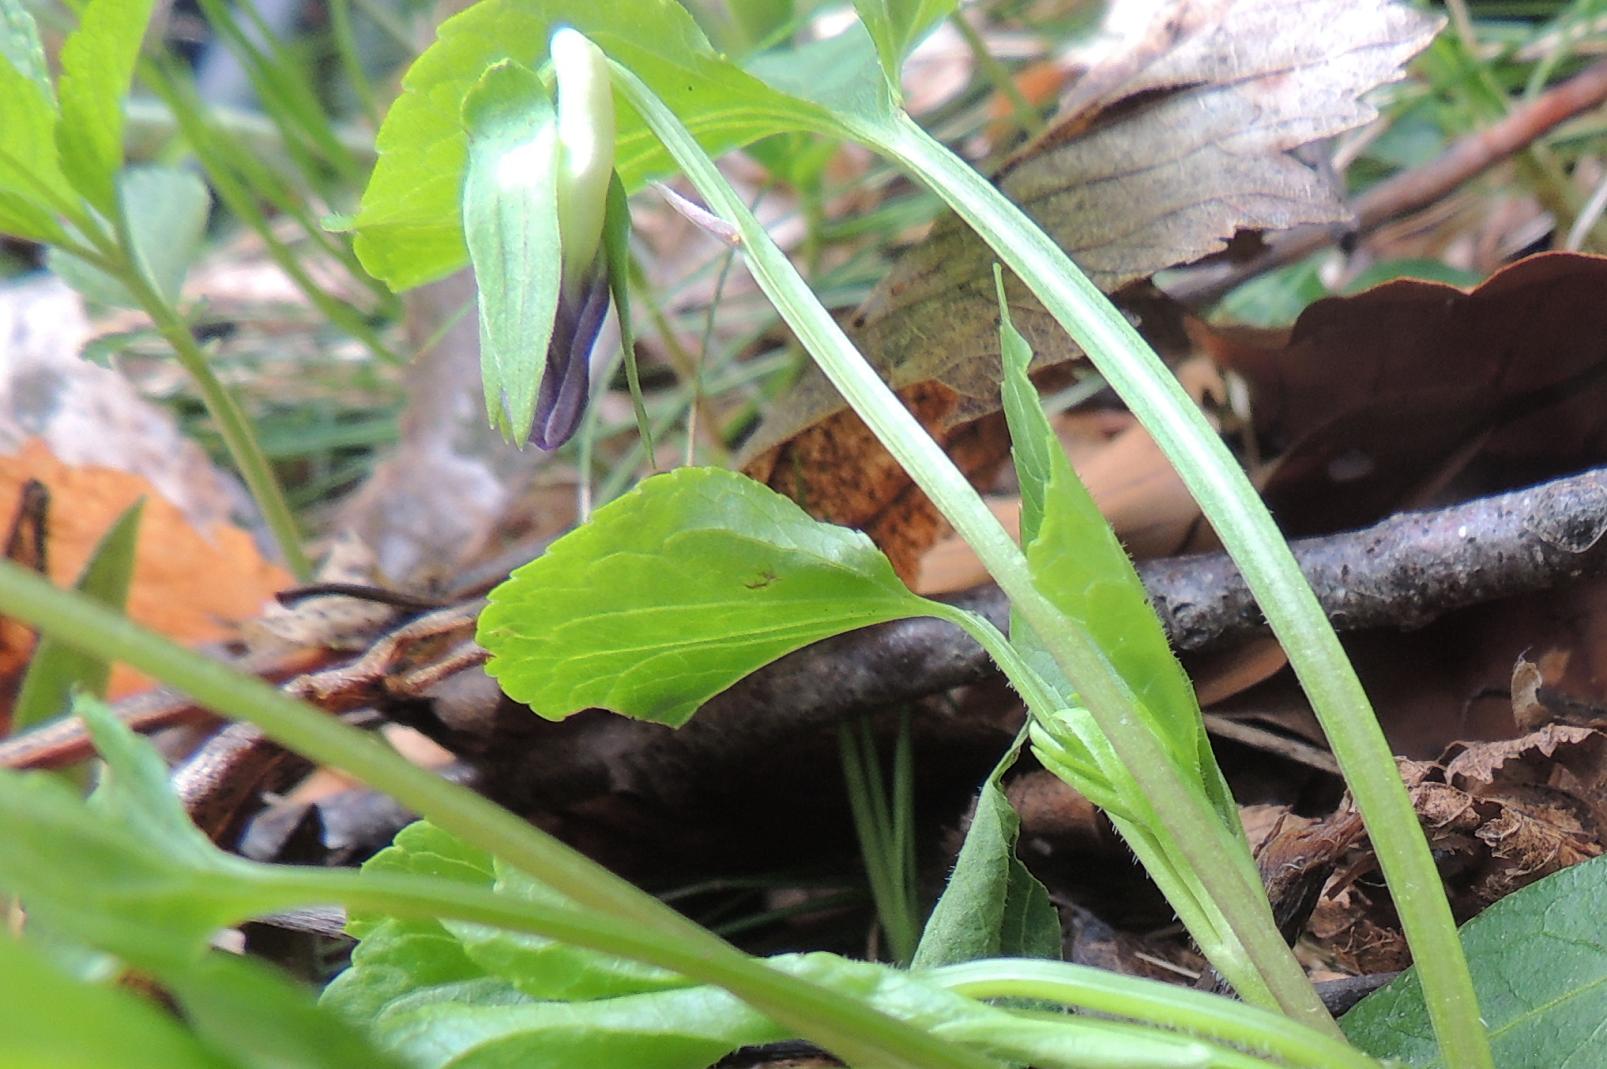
(1166, 150)
(1386, 395)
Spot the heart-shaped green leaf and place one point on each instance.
(408, 229)
(677, 590)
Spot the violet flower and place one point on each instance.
(566, 385)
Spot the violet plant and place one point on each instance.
(474, 927)
(1089, 722)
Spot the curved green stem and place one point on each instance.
(840, 1023)
(1102, 991)
(1236, 513)
(233, 426)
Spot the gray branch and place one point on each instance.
(1402, 572)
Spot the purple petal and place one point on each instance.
(565, 387)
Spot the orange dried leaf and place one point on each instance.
(192, 586)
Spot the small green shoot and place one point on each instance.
(56, 671)
(884, 824)
(992, 906)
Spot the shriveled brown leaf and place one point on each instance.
(1347, 927)
(1295, 859)
(1533, 805)
(1165, 150)
(1500, 815)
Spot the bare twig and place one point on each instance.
(1408, 569)
(64, 742)
(1412, 189)
(220, 784)
(1402, 572)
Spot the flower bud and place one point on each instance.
(585, 147)
(585, 166)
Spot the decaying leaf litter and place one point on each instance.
(1409, 396)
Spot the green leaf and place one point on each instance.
(165, 211)
(897, 25)
(264, 1021)
(88, 877)
(125, 871)
(57, 669)
(22, 63)
(547, 969)
(20, 46)
(483, 1026)
(164, 216)
(25, 217)
(841, 74)
(398, 957)
(409, 962)
(992, 906)
(1539, 966)
(51, 1021)
(675, 591)
(799, 160)
(91, 283)
(685, 1029)
(758, 20)
(1412, 267)
(1078, 562)
(510, 218)
(31, 182)
(422, 849)
(134, 792)
(408, 227)
(97, 66)
(1273, 299)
